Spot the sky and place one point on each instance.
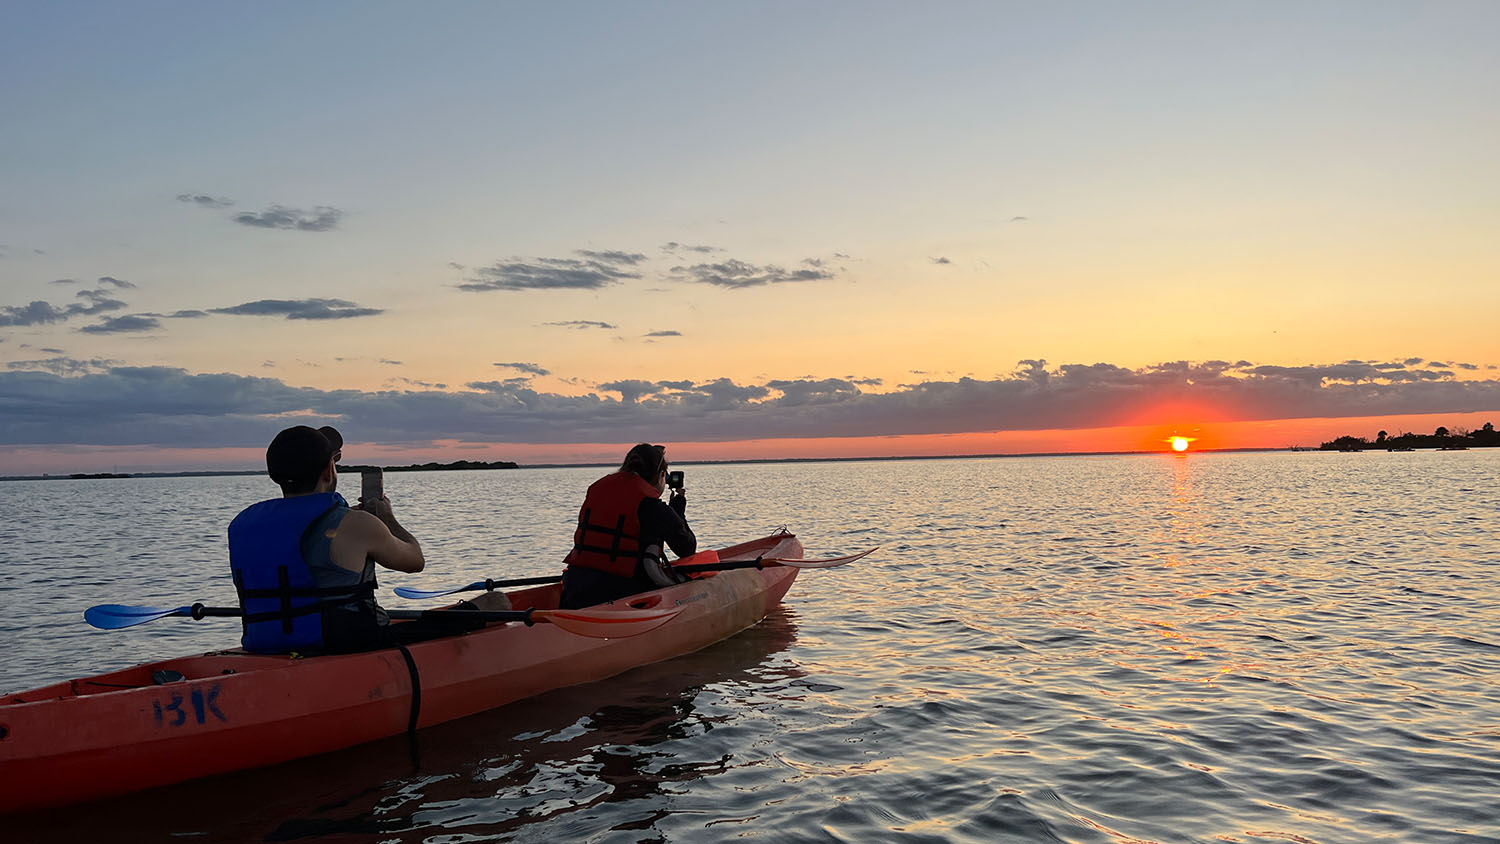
(546, 231)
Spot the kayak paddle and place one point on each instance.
(763, 562)
(701, 561)
(594, 623)
(485, 585)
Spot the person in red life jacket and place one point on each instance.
(623, 528)
(304, 564)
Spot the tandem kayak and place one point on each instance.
(179, 719)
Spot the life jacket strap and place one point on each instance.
(364, 590)
(617, 535)
(285, 592)
(287, 615)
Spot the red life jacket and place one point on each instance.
(608, 537)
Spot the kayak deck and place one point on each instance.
(177, 719)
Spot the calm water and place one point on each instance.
(1244, 648)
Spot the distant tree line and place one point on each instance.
(436, 467)
(1442, 438)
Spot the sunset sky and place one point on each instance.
(543, 232)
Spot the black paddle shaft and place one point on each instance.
(199, 611)
(742, 564)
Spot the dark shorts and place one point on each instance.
(583, 587)
(350, 632)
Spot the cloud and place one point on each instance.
(64, 365)
(507, 387)
(44, 313)
(415, 383)
(941, 260)
(525, 367)
(631, 390)
(664, 334)
(321, 218)
(591, 272)
(203, 200)
(582, 323)
(675, 247)
(97, 300)
(1019, 219)
(612, 256)
(35, 313)
(56, 403)
(109, 281)
(123, 324)
(737, 274)
(64, 281)
(300, 309)
(190, 314)
(809, 391)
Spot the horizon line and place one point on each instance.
(215, 473)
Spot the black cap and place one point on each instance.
(335, 439)
(298, 455)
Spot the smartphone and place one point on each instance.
(674, 480)
(371, 485)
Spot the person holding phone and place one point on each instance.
(304, 563)
(623, 530)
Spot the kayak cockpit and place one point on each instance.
(151, 674)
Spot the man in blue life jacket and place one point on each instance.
(304, 564)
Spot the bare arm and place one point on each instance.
(376, 534)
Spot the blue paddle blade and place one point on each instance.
(115, 616)
(420, 594)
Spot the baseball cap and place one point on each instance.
(297, 455)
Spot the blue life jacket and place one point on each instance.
(281, 602)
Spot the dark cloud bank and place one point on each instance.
(52, 404)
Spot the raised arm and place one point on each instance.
(659, 519)
(376, 533)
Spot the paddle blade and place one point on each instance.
(829, 563)
(601, 623)
(420, 594)
(116, 616)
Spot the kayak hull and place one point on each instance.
(121, 732)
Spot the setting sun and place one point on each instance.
(1179, 443)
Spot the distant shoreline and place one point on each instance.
(436, 467)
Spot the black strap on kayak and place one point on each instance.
(416, 688)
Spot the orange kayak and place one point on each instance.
(121, 732)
